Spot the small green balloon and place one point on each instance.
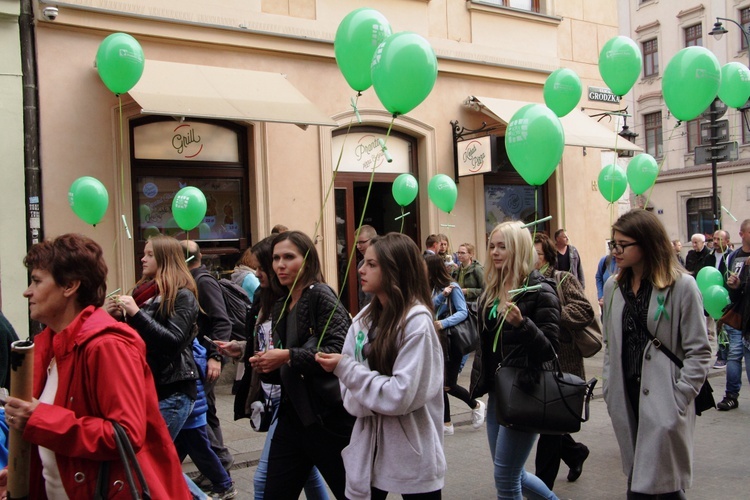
(620, 63)
(357, 38)
(562, 91)
(691, 82)
(707, 277)
(612, 182)
(405, 189)
(150, 232)
(642, 173)
(404, 70)
(715, 299)
(734, 89)
(89, 199)
(120, 62)
(189, 207)
(443, 192)
(534, 141)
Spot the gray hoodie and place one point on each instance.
(400, 416)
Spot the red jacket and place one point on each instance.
(102, 375)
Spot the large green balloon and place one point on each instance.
(534, 141)
(691, 82)
(189, 207)
(707, 277)
(405, 189)
(734, 89)
(642, 173)
(120, 62)
(620, 64)
(357, 38)
(612, 182)
(443, 193)
(89, 199)
(715, 299)
(562, 91)
(404, 70)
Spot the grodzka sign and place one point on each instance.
(474, 156)
(602, 94)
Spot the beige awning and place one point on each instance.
(194, 91)
(580, 129)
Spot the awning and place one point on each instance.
(580, 129)
(190, 90)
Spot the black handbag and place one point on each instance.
(705, 398)
(129, 463)
(463, 337)
(541, 401)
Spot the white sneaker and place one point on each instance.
(477, 415)
(448, 430)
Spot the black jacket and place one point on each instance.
(169, 340)
(537, 336)
(213, 320)
(695, 261)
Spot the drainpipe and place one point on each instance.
(32, 169)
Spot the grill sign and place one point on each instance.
(602, 94)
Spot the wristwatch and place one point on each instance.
(216, 356)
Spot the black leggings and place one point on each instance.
(377, 494)
(452, 367)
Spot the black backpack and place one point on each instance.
(238, 306)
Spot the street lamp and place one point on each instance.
(719, 30)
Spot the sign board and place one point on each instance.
(185, 141)
(602, 94)
(474, 156)
(724, 151)
(721, 133)
(362, 152)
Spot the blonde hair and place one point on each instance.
(517, 267)
(171, 271)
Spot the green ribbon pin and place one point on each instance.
(493, 311)
(661, 299)
(360, 344)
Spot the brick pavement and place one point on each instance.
(721, 469)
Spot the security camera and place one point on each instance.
(50, 13)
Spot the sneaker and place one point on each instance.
(720, 363)
(477, 415)
(230, 492)
(448, 430)
(203, 483)
(728, 403)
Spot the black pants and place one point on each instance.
(377, 494)
(550, 449)
(215, 436)
(452, 367)
(296, 448)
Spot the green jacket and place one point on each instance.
(471, 278)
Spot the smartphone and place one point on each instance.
(213, 343)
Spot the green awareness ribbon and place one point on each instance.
(661, 299)
(493, 311)
(359, 346)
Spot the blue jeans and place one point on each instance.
(175, 409)
(315, 487)
(510, 449)
(737, 350)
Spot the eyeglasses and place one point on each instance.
(363, 242)
(462, 253)
(619, 248)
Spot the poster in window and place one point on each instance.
(509, 202)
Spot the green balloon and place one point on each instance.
(612, 182)
(89, 199)
(691, 82)
(150, 232)
(620, 64)
(708, 277)
(562, 91)
(534, 141)
(443, 193)
(734, 89)
(357, 38)
(642, 173)
(189, 207)
(405, 189)
(715, 299)
(120, 62)
(404, 70)
(204, 230)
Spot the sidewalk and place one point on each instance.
(721, 465)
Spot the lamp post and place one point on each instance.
(719, 30)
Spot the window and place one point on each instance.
(700, 218)
(694, 138)
(650, 58)
(745, 21)
(652, 123)
(530, 5)
(694, 36)
(745, 127)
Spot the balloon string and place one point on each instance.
(122, 170)
(562, 196)
(403, 216)
(661, 164)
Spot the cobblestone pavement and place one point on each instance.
(721, 467)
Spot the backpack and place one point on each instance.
(238, 306)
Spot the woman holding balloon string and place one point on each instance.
(650, 399)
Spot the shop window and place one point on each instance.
(652, 123)
(700, 217)
(694, 36)
(651, 58)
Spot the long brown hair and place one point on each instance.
(404, 281)
(171, 272)
(263, 252)
(659, 259)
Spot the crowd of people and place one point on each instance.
(360, 406)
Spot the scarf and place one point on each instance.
(145, 292)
